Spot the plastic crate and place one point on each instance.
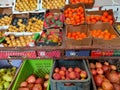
(77, 53)
(77, 84)
(37, 67)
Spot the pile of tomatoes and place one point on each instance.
(82, 1)
(74, 16)
(76, 35)
(106, 35)
(106, 17)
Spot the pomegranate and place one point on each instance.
(113, 77)
(92, 65)
(113, 67)
(98, 65)
(98, 80)
(107, 86)
(93, 71)
(106, 68)
(99, 71)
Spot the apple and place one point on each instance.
(56, 70)
(63, 68)
(77, 69)
(62, 73)
(70, 69)
(83, 74)
(72, 75)
(56, 76)
(98, 65)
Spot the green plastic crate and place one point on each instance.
(37, 67)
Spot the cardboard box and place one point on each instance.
(97, 42)
(80, 28)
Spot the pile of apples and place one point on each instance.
(70, 73)
(35, 83)
(105, 75)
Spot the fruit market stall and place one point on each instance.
(64, 44)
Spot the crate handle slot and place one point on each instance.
(69, 84)
(15, 57)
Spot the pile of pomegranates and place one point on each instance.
(70, 73)
(105, 75)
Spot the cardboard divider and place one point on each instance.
(6, 10)
(80, 28)
(101, 42)
(100, 13)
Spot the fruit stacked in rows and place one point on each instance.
(53, 20)
(70, 73)
(105, 75)
(53, 4)
(106, 35)
(35, 83)
(2, 33)
(76, 35)
(106, 17)
(34, 25)
(51, 37)
(12, 41)
(18, 25)
(6, 77)
(5, 20)
(26, 5)
(74, 16)
(82, 1)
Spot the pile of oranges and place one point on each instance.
(106, 17)
(74, 16)
(106, 35)
(76, 35)
(82, 1)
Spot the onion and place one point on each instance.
(31, 79)
(99, 71)
(99, 88)
(39, 81)
(107, 86)
(30, 85)
(113, 77)
(93, 71)
(106, 63)
(23, 88)
(47, 76)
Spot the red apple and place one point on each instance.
(63, 77)
(77, 69)
(77, 75)
(56, 76)
(56, 70)
(63, 68)
(93, 71)
(70, 69)
(72, 75)
(113, 67)
(99, 71)
(98, 80)
(83, 74)
(106, 63)
(39, 81)
(62, 73)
